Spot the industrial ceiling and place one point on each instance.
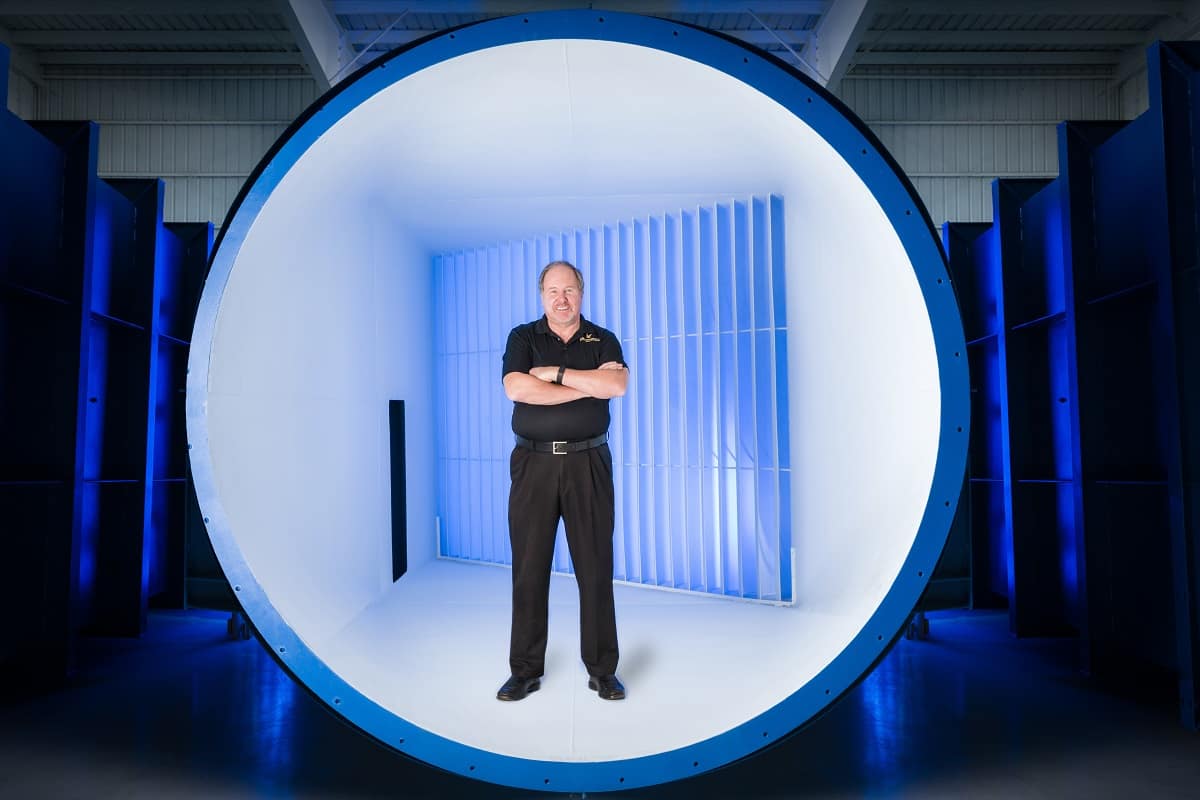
(828, 39)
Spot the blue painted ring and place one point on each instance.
(852, 140)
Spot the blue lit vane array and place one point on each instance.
(697, 297)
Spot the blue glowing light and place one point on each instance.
(701, 410)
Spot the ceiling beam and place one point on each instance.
(398, 37)
(137, 7)
(1183, 26)
(182, 39)
(21, 60)
(390, 38)
(1033, 7)
(837, 37)
(831, 38)
(320, 39)
(999, 38)
(1008, 58)
(200, 7)
(179, 58)
(803, 7)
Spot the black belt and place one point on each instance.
(562, 448)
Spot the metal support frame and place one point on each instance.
(319, 37)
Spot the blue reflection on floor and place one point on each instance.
(185, 712)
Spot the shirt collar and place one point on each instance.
(585, 328)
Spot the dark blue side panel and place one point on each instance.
(1122, 430)
(118, 385)
(1174, 76)
(39, 317)
(972, 255)
(1130, 242)
(45, 239)
(190, 565)
(92, 450)
(1076, 142)
(1040, 473)
(4, 55)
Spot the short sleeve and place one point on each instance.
(610, 350)
(517, 355)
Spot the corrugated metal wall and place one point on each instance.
(204, 135)
(953, 135)
(1135, 96)
(22, 95)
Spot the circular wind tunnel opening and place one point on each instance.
(789, 451)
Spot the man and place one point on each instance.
(560, 372)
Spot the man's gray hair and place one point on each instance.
(552, 264)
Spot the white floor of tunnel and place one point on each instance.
(434, 650)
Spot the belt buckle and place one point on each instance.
(554, 448)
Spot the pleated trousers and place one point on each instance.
(578, 489)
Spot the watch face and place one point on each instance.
(786, 459)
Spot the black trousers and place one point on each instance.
(578, 487)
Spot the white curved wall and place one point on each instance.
(317, 330)
(865, 412)
(327, 315)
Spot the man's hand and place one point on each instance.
(611, 365)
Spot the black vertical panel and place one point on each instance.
(190, 555)
(1126, 597)
(137, 289)
(177, 308)
(45, 252)
(1174, 75)
(1076, 143)
(4, 72)
(974, 272)
(117, 313)
(1122, 215)
(1025, 365)
(399, 490)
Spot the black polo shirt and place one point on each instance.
(535, 345)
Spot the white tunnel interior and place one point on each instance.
(327, 314)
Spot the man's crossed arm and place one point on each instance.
(537, 387)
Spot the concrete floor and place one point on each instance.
(184, 712)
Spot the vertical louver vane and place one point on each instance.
(700, 440)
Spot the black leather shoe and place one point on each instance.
(607, 686)
(516, 688)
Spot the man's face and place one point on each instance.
(561, 296)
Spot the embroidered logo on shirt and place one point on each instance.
(589, 337)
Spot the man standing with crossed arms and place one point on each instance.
(560, 372)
